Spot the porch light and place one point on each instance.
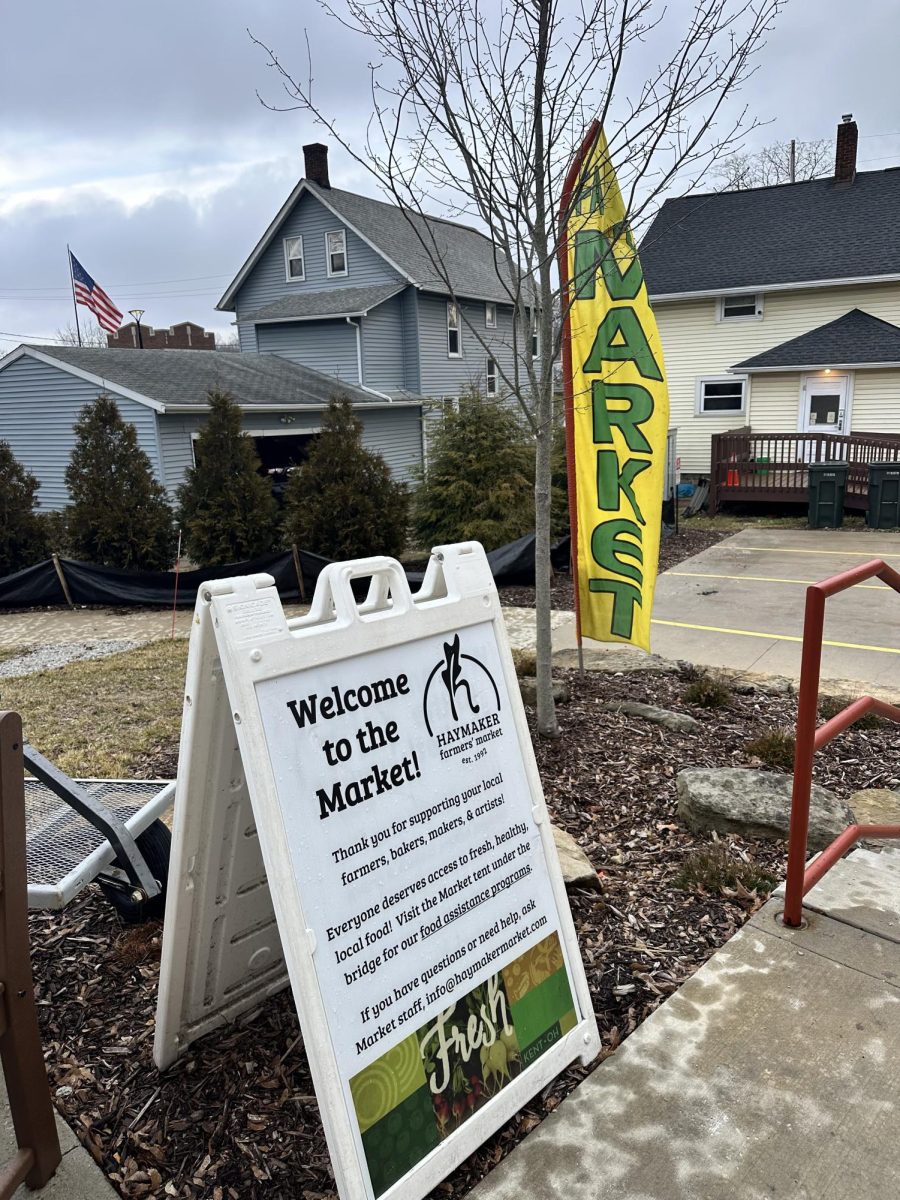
(287, 420)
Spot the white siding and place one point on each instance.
(696, 345)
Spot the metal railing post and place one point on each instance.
(807, 712)
(20, 1041)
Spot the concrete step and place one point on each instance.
(877, 860)
(858, 894)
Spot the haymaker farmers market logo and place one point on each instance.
(456, 689)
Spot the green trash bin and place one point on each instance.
(884, 495)
(827, 486)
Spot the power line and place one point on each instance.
(138, 283)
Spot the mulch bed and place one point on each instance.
(237, 1118)
(672, 551)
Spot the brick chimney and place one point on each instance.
(845, 150)
(315, 163)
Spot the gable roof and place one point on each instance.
(857, 339)
(333, 302)
(394, 233)
(814, 232)
(175, 380)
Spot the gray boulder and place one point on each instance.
(676, 722)
(755, 804)
(528, 688)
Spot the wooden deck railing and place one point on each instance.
(771, 467)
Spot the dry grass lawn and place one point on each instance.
(116, 717)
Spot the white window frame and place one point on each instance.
(491, 378)
(301, 278)
(346, 271)
(756, 299)
(702, 380)
(535, 336)
(490, 315)
(453, 307)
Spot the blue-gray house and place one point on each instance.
(349, 286)
(340, 295)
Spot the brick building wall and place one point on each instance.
(184, 336)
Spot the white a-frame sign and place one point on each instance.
(359, 812)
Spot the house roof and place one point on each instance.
(813, 232)
(857, 339)
(333, 302)
(469, 257)
(170, 380)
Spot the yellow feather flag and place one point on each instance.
(617, 407)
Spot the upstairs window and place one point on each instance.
(740, 308)
(452, 330)
(336, 252)
(490, 316)
(535, 337)
(721, 394)
(490, 378)
(293, 259)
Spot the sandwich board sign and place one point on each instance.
(359, 813)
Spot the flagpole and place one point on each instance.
(74, 301)
(573, 178)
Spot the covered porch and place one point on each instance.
(774, 467)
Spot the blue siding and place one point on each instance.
(39, 405)
(327, 346)
(247, 338)
(384, 361)
(409, 311)
(395, 433)
(445, 376)
(311, 220)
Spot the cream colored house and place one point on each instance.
(779, 307)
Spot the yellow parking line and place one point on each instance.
(874, 587)
(772, 637)
(831, 553)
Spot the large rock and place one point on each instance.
(576, 866)
(676, 722)
(616, 660)
(756, 804)
(876, 806)
(528, 688)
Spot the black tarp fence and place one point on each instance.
(40, 585)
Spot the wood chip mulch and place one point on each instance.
(236, 1118)
(673, 550)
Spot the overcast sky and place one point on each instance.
(134, 133)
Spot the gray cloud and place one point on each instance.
(136, 135)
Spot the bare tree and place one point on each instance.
(91, 335)
(480, 107)
(782, 162)
(228, 341)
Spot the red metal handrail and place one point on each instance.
(801, 878)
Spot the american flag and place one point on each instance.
(92, 296)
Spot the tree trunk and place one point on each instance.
(546, 708)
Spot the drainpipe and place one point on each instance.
(359, 367)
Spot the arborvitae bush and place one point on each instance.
(343, 502)
(119, 515)
(225, 506)
(480, 479)
(22, 540)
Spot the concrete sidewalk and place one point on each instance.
(772, 1072)
(77, 1177)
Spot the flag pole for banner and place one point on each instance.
(74, 301)
(177, 570)
(573, 179)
